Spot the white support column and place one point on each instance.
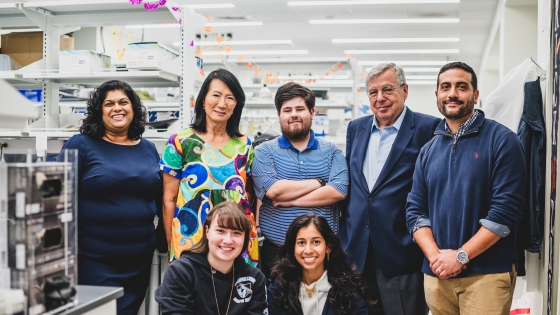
(188, 64)
(51, 48)
(355, 86)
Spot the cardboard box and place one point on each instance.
(148, 55)
(83, 60)
(26, 48)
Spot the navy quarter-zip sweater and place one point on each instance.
(481, 176)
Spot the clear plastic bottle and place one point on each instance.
(264, 92)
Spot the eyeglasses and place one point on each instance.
(386, 91)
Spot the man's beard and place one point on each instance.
(296, 134)
(461, 112)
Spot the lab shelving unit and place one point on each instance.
(55, 18)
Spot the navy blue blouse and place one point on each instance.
(118, 186)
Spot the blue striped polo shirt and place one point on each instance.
(278, 159)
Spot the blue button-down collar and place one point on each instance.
(313, 143)
(397, 123)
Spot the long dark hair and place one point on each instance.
(347, 285)
(93, 123)
(199, 119)
(230, 216)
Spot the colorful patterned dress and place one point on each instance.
(207, 177)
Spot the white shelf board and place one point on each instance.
(7, 133)
(94, 79)
(269, 104)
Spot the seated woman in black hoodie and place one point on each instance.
(312, 275)
(212, 277)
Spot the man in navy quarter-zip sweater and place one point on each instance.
(466, 202)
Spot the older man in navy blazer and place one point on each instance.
(381, 151)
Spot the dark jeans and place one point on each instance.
(268, 257)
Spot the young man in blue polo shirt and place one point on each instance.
(466, 202)
(296, 173)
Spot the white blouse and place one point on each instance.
(314, 305)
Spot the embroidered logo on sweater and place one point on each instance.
(244, 289)
(476, 155)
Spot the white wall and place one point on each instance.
(422, 99)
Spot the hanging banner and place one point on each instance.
(554, 155)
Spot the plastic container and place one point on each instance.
(33, 95)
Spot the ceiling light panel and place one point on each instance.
(385, 21)
(407, 63)
(235, 24)
(365, 2)
(211, 6)
(401, 51)
(244, 42)
(394, 40)
(255, 52)
(290, 60)
(421, 69)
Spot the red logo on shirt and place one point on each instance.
(476, 155)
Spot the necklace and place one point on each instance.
(212, 272)
(310, 291)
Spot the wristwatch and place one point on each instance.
(322, 182)
(462, 256)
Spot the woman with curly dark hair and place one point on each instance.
(119, 192)
(312, 275)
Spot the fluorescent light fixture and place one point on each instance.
(358, 2)
(211, 6)
(384, 21)
(254, 52)
(234, 24)
(421, 77)
(422, 82)
(394, 40)
(290, 60)
(85, 2)
(413, 70)
(407, 63)
(170, 25)
(402, 51)
(421, 69)
(308, 77)
(244, 42)
(33, 4)
(177, 25)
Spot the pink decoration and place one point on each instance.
(162, 2)
(180, 21)
(192, 42)
(175, 9)
(135, 2)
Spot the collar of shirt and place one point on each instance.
(463, 127)
(396, 125)
(313, 143)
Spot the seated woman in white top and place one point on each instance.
(312, 275)
(212, 277)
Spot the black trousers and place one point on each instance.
(400, 295)
(268, 257)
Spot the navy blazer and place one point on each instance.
(380, 214)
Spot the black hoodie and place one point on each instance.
(187, 288)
